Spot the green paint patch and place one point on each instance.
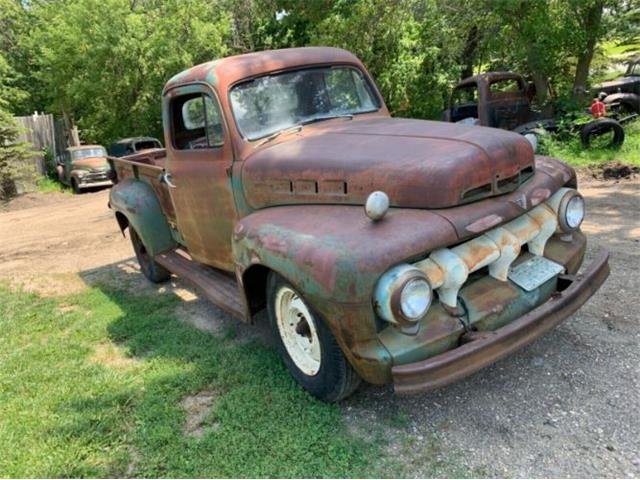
(107, 384)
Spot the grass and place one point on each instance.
(49, 185)
(91, 385)
(571, 151)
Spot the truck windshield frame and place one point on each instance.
(271, 103)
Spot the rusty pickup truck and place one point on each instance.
(387, 250)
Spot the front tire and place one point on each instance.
(307, 346)
(76, 187)
(149, 267)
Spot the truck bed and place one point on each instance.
(146, 166)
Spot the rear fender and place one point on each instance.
(138, 202)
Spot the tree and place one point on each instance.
(103, 63)
(588, 17)
(13, 154)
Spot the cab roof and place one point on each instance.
(135, 139)
(83, 147)
(224, 72)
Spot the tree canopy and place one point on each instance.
(102, 63)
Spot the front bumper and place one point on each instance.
(485, 348)
(94, 183)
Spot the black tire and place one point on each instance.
(335, 378)
(149, 267)
(74, 185)
(599, 127)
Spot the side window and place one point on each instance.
(197, 122)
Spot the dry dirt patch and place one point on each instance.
(197, 408)
(111, 356)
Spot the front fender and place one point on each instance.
(336, 252)
(630, 99)
(334, 255)
(138, 202)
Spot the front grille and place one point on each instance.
(96, 177)
(449, 268)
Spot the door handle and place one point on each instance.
(166, 178)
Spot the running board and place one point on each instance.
(219, 288)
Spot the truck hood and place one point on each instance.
(91, 164)
(418, 163)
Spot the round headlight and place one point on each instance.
(532, 138)
(403, 296)
(571, 212)
(415, 298)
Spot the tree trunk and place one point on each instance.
(468, 53)
(590, 20)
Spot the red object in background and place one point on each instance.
(598, 109)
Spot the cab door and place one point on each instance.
(197, 170)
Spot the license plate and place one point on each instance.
(532, 273)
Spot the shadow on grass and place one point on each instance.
(261, 424)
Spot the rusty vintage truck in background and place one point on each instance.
(391, 250)
(84, 166)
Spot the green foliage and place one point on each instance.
(13, 153)
(102, 63)
(569, 149)
(105, 62)
(51, 185)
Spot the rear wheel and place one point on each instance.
(307, 346)
(149, 267)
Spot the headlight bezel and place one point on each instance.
(563, 208)
(388, 296)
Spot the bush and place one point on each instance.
(14, 156)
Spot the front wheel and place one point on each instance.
(307, 346)
(149, 267)
(75, 186)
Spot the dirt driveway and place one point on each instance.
(566, 406)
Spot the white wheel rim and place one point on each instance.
(298, 331)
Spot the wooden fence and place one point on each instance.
(45, 134)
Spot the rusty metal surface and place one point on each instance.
(418, 163)
(493, 345)
(295, 205)
(217, 287)
(336, 253)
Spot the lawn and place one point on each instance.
(93, 385)
(570, 149)
(112, 384)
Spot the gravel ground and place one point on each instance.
(566, 406)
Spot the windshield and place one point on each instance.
(275, 102)
(633, 70)
(88, 153)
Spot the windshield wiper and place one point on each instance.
(298, 127)
(328, 117)
(273, 136)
